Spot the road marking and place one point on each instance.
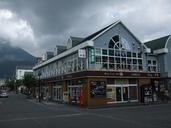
(42, 117)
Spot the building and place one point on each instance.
(107, 67)
(161, 47)
(20, 72)
(2, 84)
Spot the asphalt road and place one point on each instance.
(19, 112)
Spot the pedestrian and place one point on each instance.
(166, 95)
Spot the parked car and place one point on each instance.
(3, 94)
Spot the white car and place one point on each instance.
(3, 94)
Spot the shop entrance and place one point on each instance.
(122, 93)
(57, 93)
(118, 94)
(125, 93)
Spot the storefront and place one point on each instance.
(104, 88)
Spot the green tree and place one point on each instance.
(30, 82)
(10, 83)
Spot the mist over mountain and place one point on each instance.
(10, 57)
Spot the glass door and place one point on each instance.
(125, 93)
(118, 94)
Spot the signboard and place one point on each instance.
(82, 53)
(65, 97)
(91, 55)
(97, 88)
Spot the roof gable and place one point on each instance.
(157, 43)
(90, 37)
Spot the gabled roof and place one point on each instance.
(98, 32)
(76, 40)
(158, 43)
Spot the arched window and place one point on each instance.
(117, 42)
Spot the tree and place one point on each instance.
(30, 82)
(10, 83)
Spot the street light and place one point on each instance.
(39, 74)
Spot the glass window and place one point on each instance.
(111, 52)
(111, 66)
(110, 81)
(134, 61)
(98, 51)
(132, 81)
(140, 68)
(154, 62)
(149, 61)
(117, 53)
(111, 59)
(128, 54)
(98, 58)
(104, 52)
(117, 60)
(104, 59)
(139, 55)
(140, 62)
(116, 38)
(123, 54)
(134, 54)
(105, 65)
(133, 92)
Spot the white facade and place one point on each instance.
(21, 72)
(2, 82)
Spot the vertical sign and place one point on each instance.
(91, 55)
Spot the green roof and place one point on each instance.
(157, 43)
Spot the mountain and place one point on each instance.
(10, 57)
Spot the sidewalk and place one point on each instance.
(129, 104)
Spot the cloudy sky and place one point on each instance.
(39, 25)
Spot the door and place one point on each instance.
(118, 94)
(125, 93)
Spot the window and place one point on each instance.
(111, 59)
(98, 59)
(139, 55)
(111, 52)
(104, 51)
(105, 59)
(128, 54)
(98, 51)
(154, 62)
(115, 43)
(149, 62)
(134, 54)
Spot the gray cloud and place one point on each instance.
(53, 21)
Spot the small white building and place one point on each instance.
(2, 82)
(21, 71)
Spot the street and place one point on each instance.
(19, 112)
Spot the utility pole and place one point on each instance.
(39, 74)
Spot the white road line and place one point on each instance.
(42, 117)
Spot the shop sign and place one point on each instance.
(97, 88)
(91, 55)
(65, 97)
(82, 53)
